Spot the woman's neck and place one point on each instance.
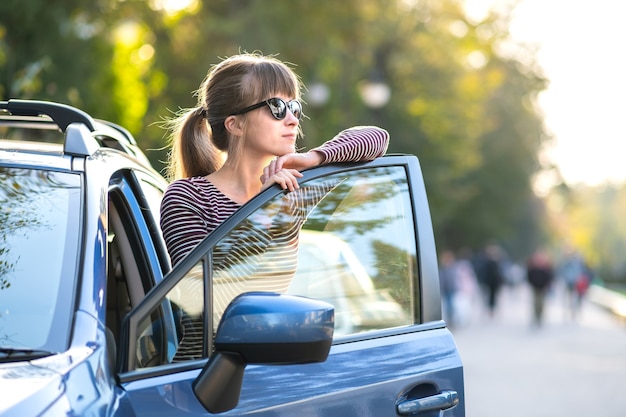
(239, 181)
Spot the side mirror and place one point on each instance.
(262, 328)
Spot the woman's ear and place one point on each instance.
(234, 125)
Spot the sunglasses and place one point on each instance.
(278, 107)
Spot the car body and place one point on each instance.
(93, 318)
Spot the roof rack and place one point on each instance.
(61, 114)
(78, 140)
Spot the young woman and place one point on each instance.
(239, 140)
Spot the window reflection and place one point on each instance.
(365, 261)
(348, 240)
(38, 243)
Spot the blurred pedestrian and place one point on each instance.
(467, 288)
(540, 274)
(492, 278)
(448, 280)
(576, 277)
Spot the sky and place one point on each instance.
(581, 48)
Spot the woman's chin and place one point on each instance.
(288, 149)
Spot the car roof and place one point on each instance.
(41, 131)
(42, 155)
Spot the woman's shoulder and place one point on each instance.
(188, 184)
(192, 188)
(196, 191)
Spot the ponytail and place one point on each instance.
(192, 153)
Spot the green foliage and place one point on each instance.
(464, 109)
(591, 220)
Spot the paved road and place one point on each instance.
(566, 368)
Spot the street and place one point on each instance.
(565, 368)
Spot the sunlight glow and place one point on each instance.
(583, 104)
(174, 6)
(127, 33)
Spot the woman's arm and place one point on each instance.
(356, 144)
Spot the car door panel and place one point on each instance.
(363, 378)
(376, 215)
(358, 379)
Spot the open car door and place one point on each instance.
(340, 316)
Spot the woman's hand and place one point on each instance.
(276, 173)
(286, 178)
(285, 170)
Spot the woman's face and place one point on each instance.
(268, 137)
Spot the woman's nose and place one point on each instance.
(291, 119)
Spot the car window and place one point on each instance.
(174, 330)
(134, 261)
(37, 279)
(347, 240)
(357, 251)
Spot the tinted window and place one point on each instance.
(348, 240)
(39, 220)
(345, 239)
(175, 329)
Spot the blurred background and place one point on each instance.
(460, 84)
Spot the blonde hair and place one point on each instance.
(198, 136)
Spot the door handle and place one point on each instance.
(441, 401)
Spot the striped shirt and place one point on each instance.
(261, 253)
(193, 207)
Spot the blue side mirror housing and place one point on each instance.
(262, 328)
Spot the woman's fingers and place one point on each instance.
(271, 169)
(286, 178)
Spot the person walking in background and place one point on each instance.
(448, 280)
(491, 276)
(575, 275)
(539, 274)
(467, 293)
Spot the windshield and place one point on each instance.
(39, 223)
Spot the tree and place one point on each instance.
(590, 219)
(458, 103)
(53, 50)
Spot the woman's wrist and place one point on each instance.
(317, 157)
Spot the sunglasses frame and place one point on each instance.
(287, 105)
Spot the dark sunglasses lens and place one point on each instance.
(295, 108)
(277, 107)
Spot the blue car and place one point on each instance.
(94, 321)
